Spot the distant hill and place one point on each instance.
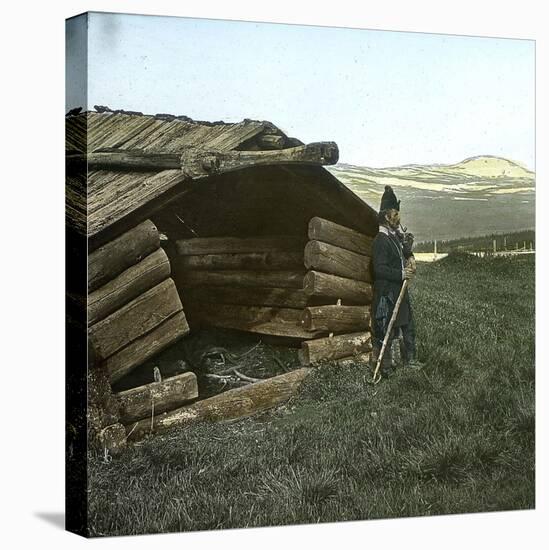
(477, 196)
(491, 167)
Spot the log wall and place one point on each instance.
(316, 291)
(134, 309)
(304, 288)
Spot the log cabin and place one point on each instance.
(189, 224)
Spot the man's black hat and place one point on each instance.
(389, 200)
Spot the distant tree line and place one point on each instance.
(504, 241)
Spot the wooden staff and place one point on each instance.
(375, 380)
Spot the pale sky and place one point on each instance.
(387, 98)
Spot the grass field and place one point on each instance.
(455, 437)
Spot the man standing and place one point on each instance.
(393, 263)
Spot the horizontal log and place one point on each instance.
(337, 261)
(132, 282)
(157, 397)
(260, 320)
(134, 160)
(249, 260)
(338, 235)
(336, 347)
(334, 318)
(135, 319)
(324, 284)
(148, 345)
(248, 296)
(270, 141)
(274, 279)
(229, 405)
(117, 255)
(196, 162)
(237, 245)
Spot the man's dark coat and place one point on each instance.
(388, 264)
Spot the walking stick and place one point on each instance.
(375, 378)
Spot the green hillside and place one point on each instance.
(478, 196)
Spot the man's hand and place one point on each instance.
(411, 263)
(409, 273)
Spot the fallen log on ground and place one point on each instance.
(135, 319)
(261, 320)
(112, 258)
(338, 235)
(236, 403)
(316, 283)
(337, 261)
(237, 245)
(157, 397)
(132, 282)
(243, 261)
(336, 318)
(126, 359)
(336, 347)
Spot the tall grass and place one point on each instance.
(455, 437)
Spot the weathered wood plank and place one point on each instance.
(132, 282)
(324, 284)
(261, 320)
(118, 201)
(248, 296)
(135, 319)
(336, 347)
(135, 160)
(143, 348)
(250, 260)
(232, 404)
(270, 141)
(338, 235)
(197, 162)
(157, 398)
(111, 259)
(334, 318)
(275, 279)
(236, 245)
(337, 261)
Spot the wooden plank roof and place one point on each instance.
(102, 201)
(94, 131)
(111, 195)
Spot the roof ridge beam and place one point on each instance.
(198, 162)
(317, 154)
